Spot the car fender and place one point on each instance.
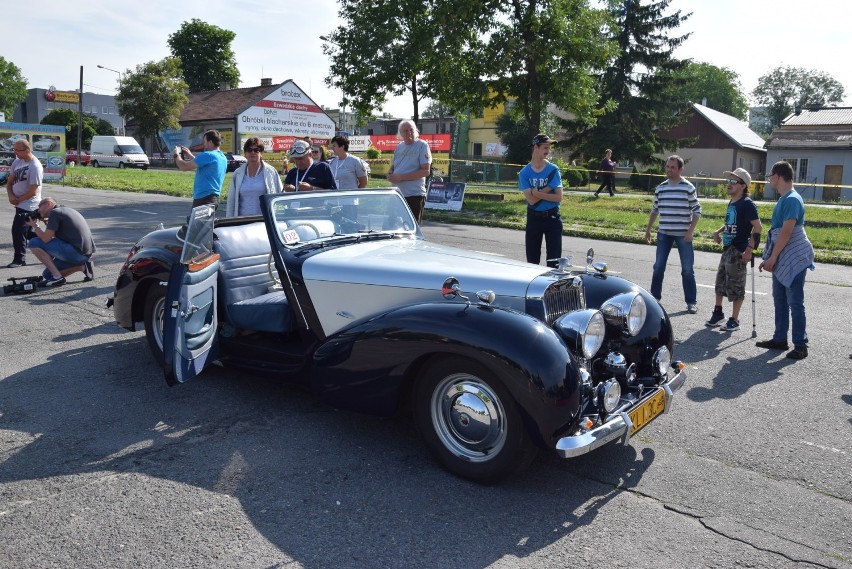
(148, 267)
(369, 366)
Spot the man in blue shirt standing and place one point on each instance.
(210, 165)
(541, 183)
(788, 255)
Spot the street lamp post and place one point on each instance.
(123, 132)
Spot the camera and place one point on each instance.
(20, 285)
(32, 215)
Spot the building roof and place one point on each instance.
(823, 116)
(733, 128)
(816, 139)
(222, 105)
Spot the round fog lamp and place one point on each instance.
(609, 394)
(662, 360)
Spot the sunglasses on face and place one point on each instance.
(253, 149)
(734, 182)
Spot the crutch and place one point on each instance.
(756, 237)
(753, 308)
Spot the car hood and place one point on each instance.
(350, 283)
(419, 264)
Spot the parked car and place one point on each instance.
(340, 292)
(46, 144)
(234, 161)
(118, 151)
(71, 158)
(8, 143)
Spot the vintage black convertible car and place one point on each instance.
(340, 292)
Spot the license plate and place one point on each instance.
(648, 411)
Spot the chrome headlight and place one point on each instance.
(583, 331)
(626, 311)
(662, 360)
(608, 395)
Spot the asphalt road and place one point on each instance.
(103, 465)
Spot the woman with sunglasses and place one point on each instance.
(318, 154)
(251, 180)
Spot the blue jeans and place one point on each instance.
(549, 228)
(687, 261)
(790, 301)
(64, 254)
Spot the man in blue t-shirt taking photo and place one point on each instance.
(210, 165)
(740, 235)
(541, 183)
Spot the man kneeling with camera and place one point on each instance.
(65, 246)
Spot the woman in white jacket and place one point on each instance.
(251, 180)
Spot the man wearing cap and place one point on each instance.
(541, 183)
(740, 236)
(307, 174)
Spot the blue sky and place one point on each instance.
(281, 39)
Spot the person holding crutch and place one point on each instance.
(740, 236)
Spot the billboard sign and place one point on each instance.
(284, 115)
(46, 141)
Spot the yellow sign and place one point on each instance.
(67, 97)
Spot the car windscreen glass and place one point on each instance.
(317, 216)
(198, 242)
(130, 149)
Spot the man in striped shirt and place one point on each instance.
(676, 204)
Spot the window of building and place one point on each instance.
(87, 108)
(104, 110)
(48, 106)
(94, 109)
(751, 165)
(477, 149)
(112, 110)
(742, 162)
(800, 168)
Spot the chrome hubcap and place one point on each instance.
(468, 417)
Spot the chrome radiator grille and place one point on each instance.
(562, 298)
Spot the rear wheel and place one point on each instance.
(155, 310)
(470, 422)
(121, 165)
(94, 164)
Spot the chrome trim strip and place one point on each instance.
(618, 427)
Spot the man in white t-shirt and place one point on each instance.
(23, 188)
(349, 171)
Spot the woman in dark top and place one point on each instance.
(607, 174)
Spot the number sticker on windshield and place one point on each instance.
(290, 236)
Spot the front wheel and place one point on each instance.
(470, 422)
(121, 165)
(155, 310)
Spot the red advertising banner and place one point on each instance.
(389, 142)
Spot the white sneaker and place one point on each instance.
(692, 308)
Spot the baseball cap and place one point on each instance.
(300, 148)
(541, 139)
(742, 174)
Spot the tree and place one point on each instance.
(531, 53)
(153, 96)
(636, 102)
(205, 55)
(13, 87)
(383, 47)
(468, 55)
(514, 134)
(68, 118)
(785, 88)
(718, 85)
(437, 109)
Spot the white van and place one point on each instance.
(118, 151)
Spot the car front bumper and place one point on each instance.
(618, 427)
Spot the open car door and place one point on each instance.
(190, 327)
